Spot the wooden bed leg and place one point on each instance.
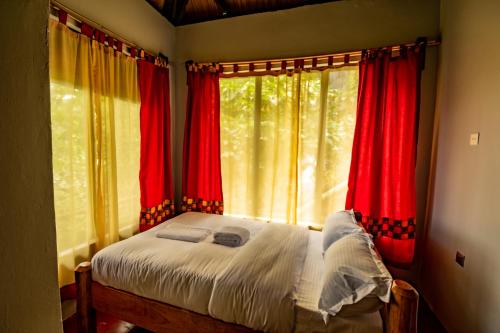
(85, 313)
(401, 314)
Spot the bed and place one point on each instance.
(173, 286)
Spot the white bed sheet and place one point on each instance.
(308, 317)
(175, 272)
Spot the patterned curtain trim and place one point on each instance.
(152, 216)
(397, 229)
(200, 205)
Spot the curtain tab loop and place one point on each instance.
(251, 67)
(212, 68)
(314, 63)
(119, 46)
(403, 51)
(164, 58)
(100, 36)
(298, 63)
(347, 57)
(63, 16)
(236, 68)
(330, 61)
(268, 66)
(111, 41)
(283, 65)
(87, 30)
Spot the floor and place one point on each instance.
(427, 323)
(105, 324)
(427, 320)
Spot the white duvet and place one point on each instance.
(253, 285)
(257, 288)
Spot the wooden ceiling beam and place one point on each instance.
(223, 6)
(166, 10)
(175, 10)
(178, 10)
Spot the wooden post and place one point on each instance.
(85, 313)
(402, 309)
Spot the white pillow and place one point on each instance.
(338, 225)
(353, 270)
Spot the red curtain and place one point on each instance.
(382, 175)
(155, 174)
(201, 172)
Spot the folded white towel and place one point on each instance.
(231, 236)
(183, 233)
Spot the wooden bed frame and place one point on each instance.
(399, 316)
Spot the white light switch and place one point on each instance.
(474, 139)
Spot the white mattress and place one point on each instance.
(308, 317)
(183, 274)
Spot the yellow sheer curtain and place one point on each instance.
(95, 145)
(286, 144)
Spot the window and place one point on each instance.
(72, 148)
(95, 145)
(70, 163)
(286, 144)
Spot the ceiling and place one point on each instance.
(181, 12)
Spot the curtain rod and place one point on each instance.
(346, 58)
(325, 56)
(83, 19)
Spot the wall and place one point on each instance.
(467, 183)
(310, 30)
(28, 283)
(29, 292)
